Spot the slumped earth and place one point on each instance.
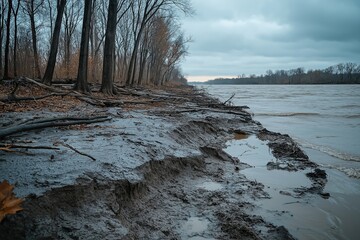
(190, 169)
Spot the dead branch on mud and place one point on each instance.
(51, 122)
(229, 100)
(75, 150)
(10, 146)
(216, 110)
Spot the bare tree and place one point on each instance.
(54, 43)
(71, 22)
(131, 41)
(15, 11)
(2, 24)
(7, 42)
(50, 10)
(81, 83)
(97, 36)
(143, 11)
(32, 8)
(109, 49)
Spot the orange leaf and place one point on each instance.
(12, 202)
(5, 190)
(9, 204)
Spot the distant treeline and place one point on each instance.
(343, 73)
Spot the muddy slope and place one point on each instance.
(160, 174)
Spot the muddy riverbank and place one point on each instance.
(159, 170)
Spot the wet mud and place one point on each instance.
(159, 173)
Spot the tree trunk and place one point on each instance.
(81, 83)
(142, 65)
(49, 72)
(109, 49)
(34, 44)
(7, 43)
(15, 12)
(132, 64)
(2, 11)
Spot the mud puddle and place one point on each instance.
(210, 186)
(306, 216)
(194, 228)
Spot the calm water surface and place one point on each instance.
(325, 121)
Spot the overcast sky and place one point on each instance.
(232, 37)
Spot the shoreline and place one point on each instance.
(160, 172)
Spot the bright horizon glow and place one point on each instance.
(205, 78)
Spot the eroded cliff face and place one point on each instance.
(159, 173)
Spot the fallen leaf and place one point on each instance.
(9, 204)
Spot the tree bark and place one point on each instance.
(49, 72)
(31, 13)
(2, 11)
(81, 84)
(109, 50)
(7, 43)
(15, 12)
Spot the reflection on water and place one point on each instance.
(309, 217)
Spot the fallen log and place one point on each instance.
(244, 114)
(53, 122)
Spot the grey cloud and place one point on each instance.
(234, 36)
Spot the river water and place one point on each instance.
(325, 121)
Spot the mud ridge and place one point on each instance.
(47, 216)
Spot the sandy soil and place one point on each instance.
(160, 172)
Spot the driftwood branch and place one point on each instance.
(53, 122)
(228, 101)
(10, 146)
(226, 111)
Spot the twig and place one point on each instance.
(6, 149)
(232, 96)
(75, 150)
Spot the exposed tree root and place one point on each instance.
(52, 89)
